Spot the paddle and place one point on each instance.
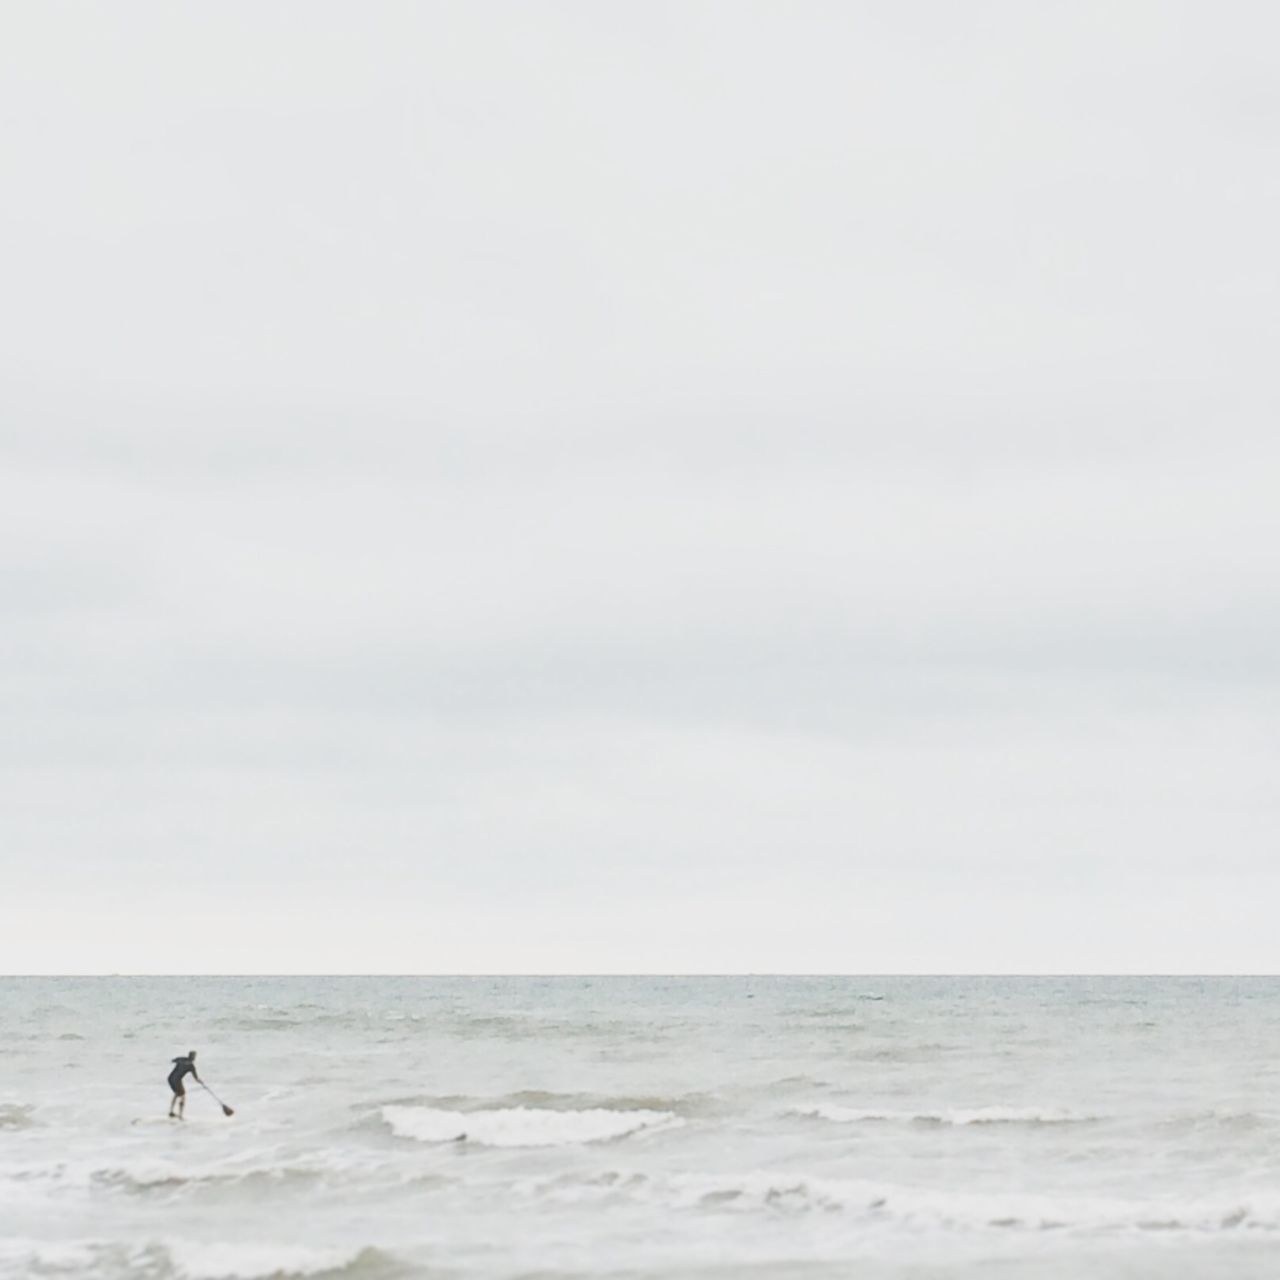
(226, 1110)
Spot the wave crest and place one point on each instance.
(686, 1105)
(959, 1117)
(16, 1115)
(144, 1179)
(523, 1126)
(275, 1262)
(919, 1208)
(199, 1261)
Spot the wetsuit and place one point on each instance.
(181, 1068)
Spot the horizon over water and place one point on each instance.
(658, 1126)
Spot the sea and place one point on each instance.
(642, 1127)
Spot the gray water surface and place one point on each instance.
(642, 1127)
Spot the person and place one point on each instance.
(181, 1068)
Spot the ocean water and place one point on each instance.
(642, 1127)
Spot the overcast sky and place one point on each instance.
(639, 487)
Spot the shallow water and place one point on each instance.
(642, 1127)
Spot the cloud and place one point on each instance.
(700, 487)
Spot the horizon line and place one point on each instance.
(1055, 973)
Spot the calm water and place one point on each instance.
(643, 1127)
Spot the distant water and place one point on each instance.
(642, 1127)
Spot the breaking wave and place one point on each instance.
(523, 1126)
(684, 1105)
(959, 1117)
(161, 1178)
(274, 1262)
(918, 1209)
(16, 1115)
(191, 1261)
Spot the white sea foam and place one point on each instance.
(523, 1126)
(21, 1255)
(225, 1261)
(957, 1116)
(16, 1115)
(927, 1209)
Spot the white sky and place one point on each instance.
(639, 487)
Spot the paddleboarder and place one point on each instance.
(182, 1067)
